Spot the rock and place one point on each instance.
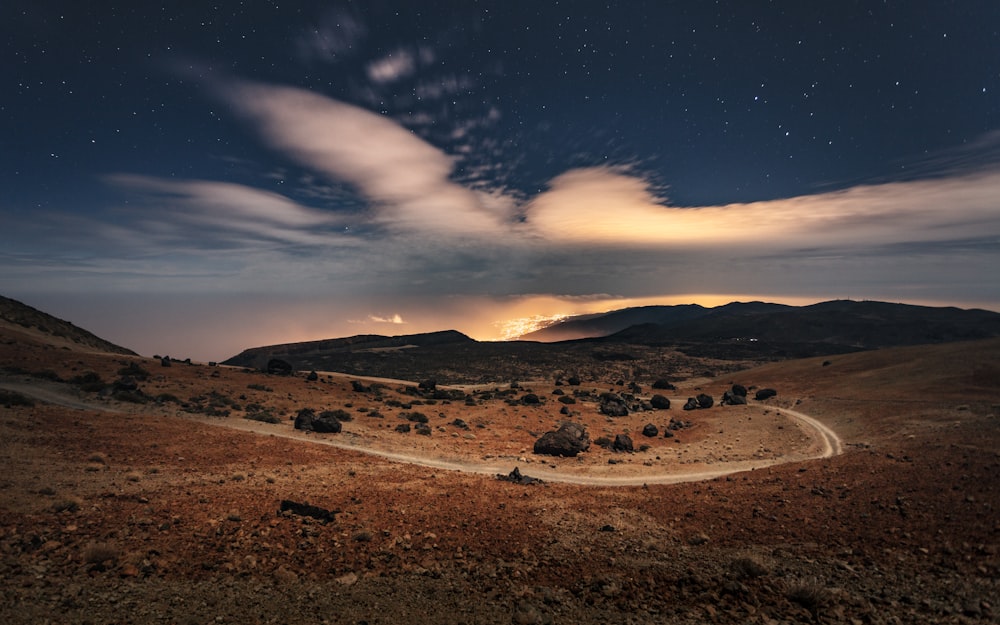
(691, 404)
(530, 399)
(765, 393)
(348, 579)
(304, 419)
(459, 423)
(650, 430)
(327, 423)
(312, 377)
(739, 390)
(731, 399)
(698, 539)
(569, 440)
(403, 428)
(663, 384)
(358, 387)
(704, 401)
(516, 477)
(613, 405)
(276, 366)
(422, 429)
(623, 442)
(659, 402)
(566, 399)
(428, 385)
(305, 509)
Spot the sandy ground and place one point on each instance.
(154, 515)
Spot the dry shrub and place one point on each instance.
(811, 595)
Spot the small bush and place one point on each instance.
(338, 414)
(69, 504)
(416, 417)
(260, 387)
(264, 416)
(811, 595)
(747, 568)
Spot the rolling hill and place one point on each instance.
(21, 319)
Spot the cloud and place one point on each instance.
(612, 207)
(396, 319)
(392, 67)
(405, 178)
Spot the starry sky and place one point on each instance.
(196, 178)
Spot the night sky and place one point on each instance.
(197, 178)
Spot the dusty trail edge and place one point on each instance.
(830, 443)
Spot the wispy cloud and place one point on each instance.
(396, 319)
(392, 67)
(611, 206)
(406, 179)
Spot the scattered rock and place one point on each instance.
(569, 440)
(739, 390)
(516, 477)
(765, 393)
(312, 377)
(650, 430)
(659, 402)
(613, 405)
(623, 442)
(403, 428)
(304, 419)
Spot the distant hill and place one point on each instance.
(839, 325)
(325, 354)
(24, 319)
(605, 324)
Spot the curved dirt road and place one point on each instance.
(830, 442)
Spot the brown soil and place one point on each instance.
(154, 514)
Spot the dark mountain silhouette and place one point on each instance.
(605, 324)
(740, 332)
(22, 318)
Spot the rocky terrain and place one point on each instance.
(139, 490)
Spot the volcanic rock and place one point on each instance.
(659, 402)
(650, 430)
(765, 393)
(623, 442)
(569, 440)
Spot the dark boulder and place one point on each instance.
(659, 402)
(304, 419)
(569, 440)
(566, 399)
(613, 406)
(663, 384)
(516, 477)
(327, 423)
(312, 377)
(573, 381)
(691, 404)
(704, 401)
(358, 387)
(276, 366)
(428, 385)
(731, 399)
(765, 393)
(530, 399)
(423, 429)
(739, 390)
(403, 428)
(459, 423)
(650, 430)
(623, 442)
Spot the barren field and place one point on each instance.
(117, 511)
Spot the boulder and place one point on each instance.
(358, 387)
(659, 402)
(312, 377)
(739, 390)
(327, 424)
(517, 477)
(403, 428)
(650, 430)
(663, 384)
(428, 385)
(613, 406)
(623, 442)
(765, 393)
(569, 440)
(276, 366)
(704, 401)
(304, 419)
(304, 509)
(731, 399)
(691, 404)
